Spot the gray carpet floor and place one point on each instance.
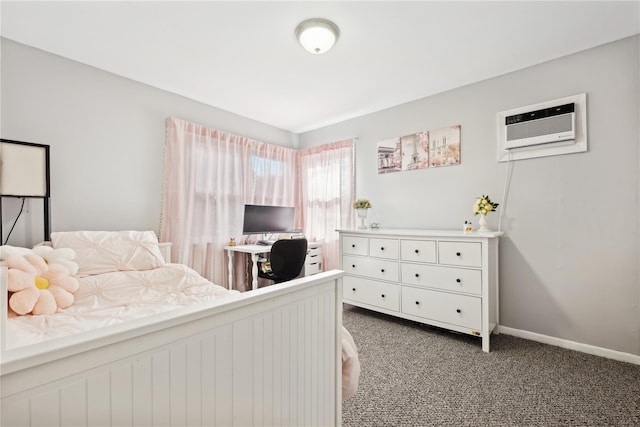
(416, 375)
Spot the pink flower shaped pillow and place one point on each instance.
(37, 287)
(62, 256)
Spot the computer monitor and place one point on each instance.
(263, 219)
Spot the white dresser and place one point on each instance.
(444, 278)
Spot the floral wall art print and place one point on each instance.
(444, 146)
(420, 150)
(415, 151)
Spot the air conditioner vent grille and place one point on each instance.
(546, 126)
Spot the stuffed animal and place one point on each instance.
(37, 287)
(7, 251)
(63, 256)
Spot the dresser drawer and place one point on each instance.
(371, 267)
(383, 248)
(354, 245)
(379, 294)
(468, 254)
(460, 310)
(418, 250)
(447, 278)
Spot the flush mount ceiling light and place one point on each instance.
(317, 35)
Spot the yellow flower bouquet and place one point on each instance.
(362, 204)
(484, 205)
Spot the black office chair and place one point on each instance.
(286, 258)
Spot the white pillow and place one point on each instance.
(100, 252)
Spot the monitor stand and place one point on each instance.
(265, 241)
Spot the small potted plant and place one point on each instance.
(483, 206)
(361, 206)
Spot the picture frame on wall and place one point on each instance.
(415, 151)
(444, 146)
(420, 150)
(389, 156)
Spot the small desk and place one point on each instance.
(254, 250)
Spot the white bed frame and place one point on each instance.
(271, 357)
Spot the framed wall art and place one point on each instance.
(420, 150)
(415, 151)
(389, 156)
(444, 146)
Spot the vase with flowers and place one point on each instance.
(482, 207)
(362, 206)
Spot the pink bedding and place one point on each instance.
(111, 298)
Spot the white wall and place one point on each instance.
(569, 259)
(107, 137)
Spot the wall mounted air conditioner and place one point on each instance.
(544, 129)
(544, 126)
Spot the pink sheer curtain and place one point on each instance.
(209, 176)
(273, 176)
(326, 195)
(203, 194)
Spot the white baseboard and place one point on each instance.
(571, 345)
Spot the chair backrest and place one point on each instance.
(287, 258)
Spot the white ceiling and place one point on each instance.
(242, 56)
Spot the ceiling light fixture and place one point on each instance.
(317, 35)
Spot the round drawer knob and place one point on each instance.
(382, 248)
(458, 310)
(417, 251)
(353, 266)
(458, 253)
(382, 295)
(458, 280)
(417, 275)
(417, 302)
(353, 246)
(353, 289)
(382, 270)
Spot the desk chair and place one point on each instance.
(287, 259)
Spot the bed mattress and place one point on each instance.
(111, 298)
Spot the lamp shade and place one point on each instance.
(317, 35)
(24, 169)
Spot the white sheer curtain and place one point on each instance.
(209, 176)
(327, 191)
